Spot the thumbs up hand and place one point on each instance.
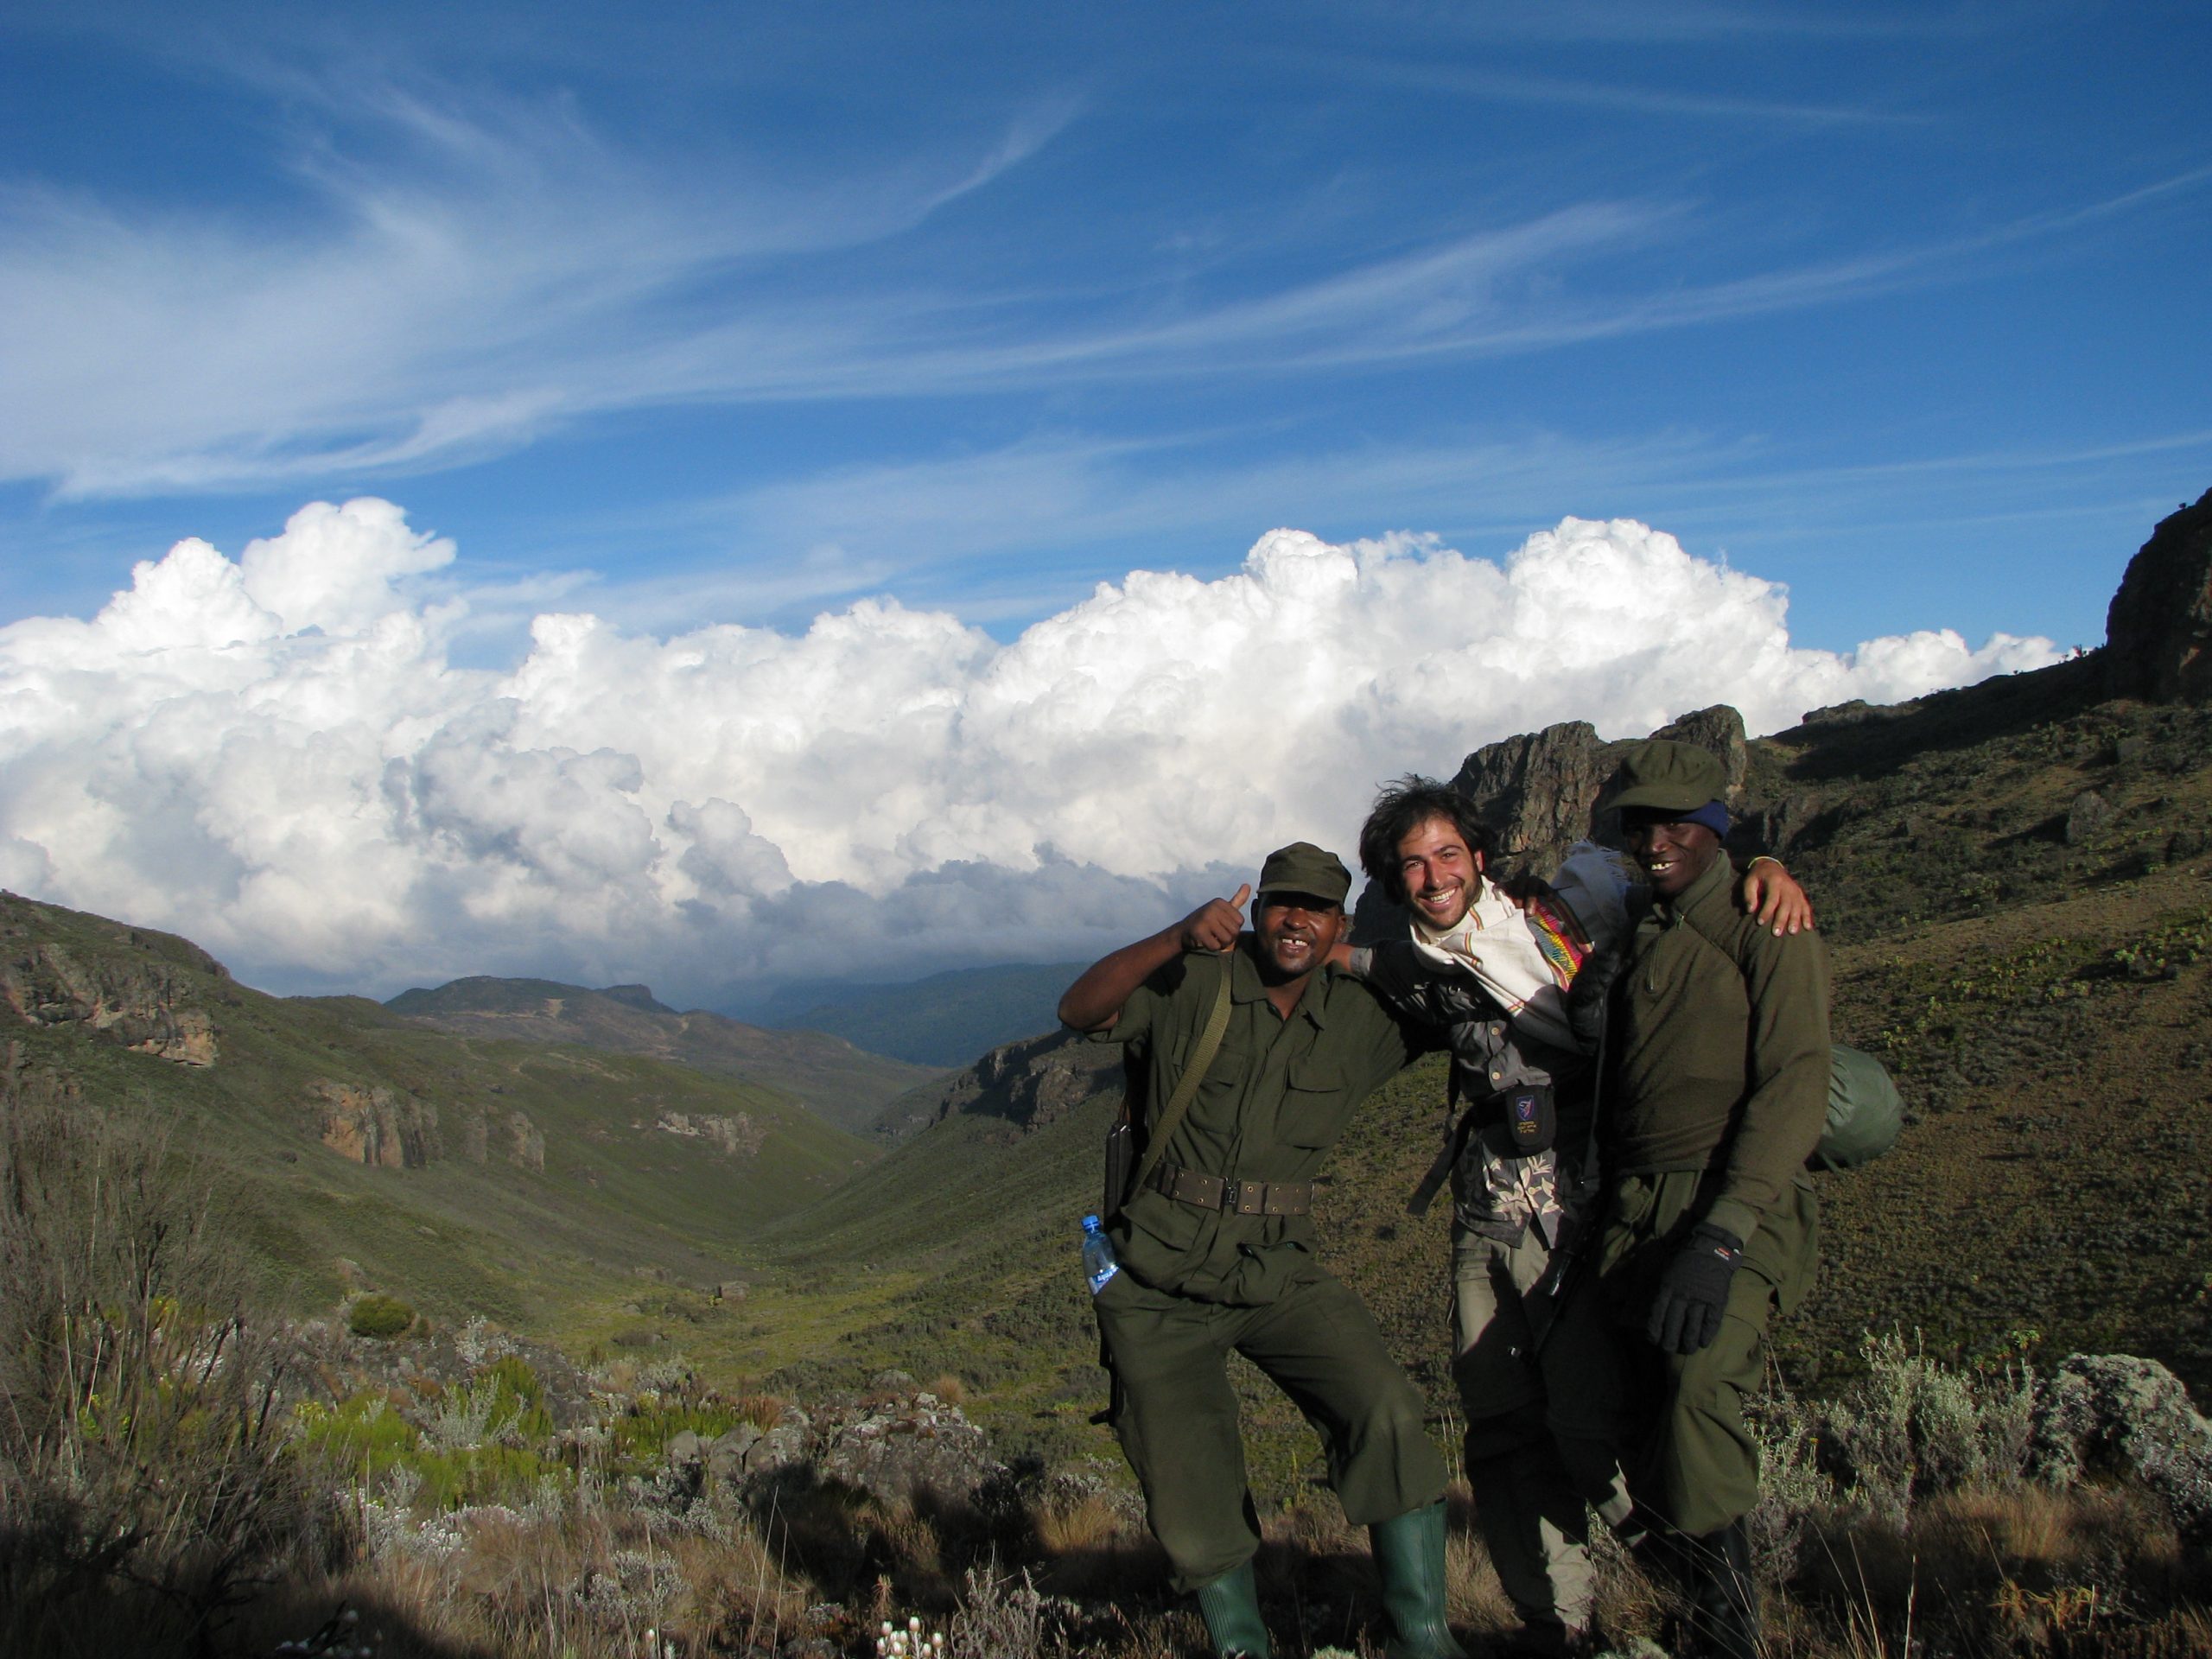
(1215, 924)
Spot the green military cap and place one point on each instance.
(1671, 777)
(1303, 868)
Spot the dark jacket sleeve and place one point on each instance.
(1786, 981)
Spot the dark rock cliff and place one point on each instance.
(1029, 1084)
(2158, 630)
(140, 993)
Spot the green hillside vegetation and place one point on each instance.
(846, 1085)
(519, 1181)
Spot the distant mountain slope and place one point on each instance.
(945, 1020)
(353, 1147)
(849, 1087)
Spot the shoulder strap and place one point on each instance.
(1187, 1086)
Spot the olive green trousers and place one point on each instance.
(1693, 1461)
(1178, 1421)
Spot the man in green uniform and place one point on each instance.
(1716, 1089)
(1217, 1248)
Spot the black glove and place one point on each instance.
(1588, 991)
(1694, 1290)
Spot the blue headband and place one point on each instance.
(1713, 815)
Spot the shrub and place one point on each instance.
(145, 1491)
(379, 1316)
(361, 1439)
(1910, 1428)
(1793, 1491)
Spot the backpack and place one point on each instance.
(1864, 1114)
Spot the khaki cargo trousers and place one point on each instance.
(1542, 1423)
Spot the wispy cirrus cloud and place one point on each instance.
(459, 276)
(1625, 96)
(479, 273)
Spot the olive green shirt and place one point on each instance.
(1275, 1100)
(1720, 1040)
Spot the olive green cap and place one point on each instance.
(1672, 777)
(1303, 868)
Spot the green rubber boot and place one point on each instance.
(1409, 1558)
(1230, 1606)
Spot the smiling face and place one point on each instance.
(1673, 851)
(1439, 875)
(1296, 932)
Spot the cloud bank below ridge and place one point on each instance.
(274, 756)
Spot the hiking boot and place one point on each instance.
(1409, 1559)
(1724, 1596)
(1231, 1607)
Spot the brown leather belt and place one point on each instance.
(1240, 1198)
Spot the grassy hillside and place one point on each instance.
(520, 1181)
(2018, 879)
(847, 1086)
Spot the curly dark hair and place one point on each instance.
(1403, 806)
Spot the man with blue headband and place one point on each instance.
(1715, 1091)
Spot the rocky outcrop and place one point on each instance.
(896, 1444)
(376, 1126)
(139, 1004)
(1534, 791)
(1539, 793)
(526, 1141)
(2106, 1414)
(639, 997)
(2158, 628)
(2118, 1417)
(906, 1446)
(1030, 1084)
(501, 1131)
(2089, 813)
(736, 1134)
(22, 1080)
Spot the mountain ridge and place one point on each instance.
(849, 1086)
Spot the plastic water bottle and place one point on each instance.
(1098, 1263)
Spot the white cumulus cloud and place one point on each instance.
(275, 757)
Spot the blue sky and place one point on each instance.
(734, 312)
(527, 490)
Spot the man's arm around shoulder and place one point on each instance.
(1094, 1002)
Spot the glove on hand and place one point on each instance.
(1693, 1291)
(1586, 993)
